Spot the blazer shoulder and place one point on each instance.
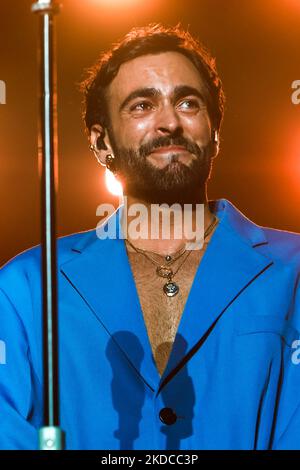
(281, 246)
(284, 245)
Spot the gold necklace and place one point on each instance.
(161, 269)
(171, 288)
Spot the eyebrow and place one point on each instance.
(140, 93)
(179, 92)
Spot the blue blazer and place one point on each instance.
(233, 377)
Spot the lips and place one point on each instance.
(170, 149)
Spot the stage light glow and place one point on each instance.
(113, 185)
(293, 162)
(109, 15)
(116, 3)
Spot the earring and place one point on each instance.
(100, 145)
(111, 163)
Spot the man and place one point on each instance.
(161, 346)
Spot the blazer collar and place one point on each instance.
(101, 275)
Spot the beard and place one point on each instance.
(175, 183)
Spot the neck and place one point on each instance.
(163, 228)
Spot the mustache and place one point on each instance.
(166, 141)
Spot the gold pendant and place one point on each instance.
(163, 271)
(171, 289)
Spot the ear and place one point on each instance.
(100, 142)
(215, 143)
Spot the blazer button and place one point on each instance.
(167, 416)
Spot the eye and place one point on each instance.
(141, 106)
(189, 104)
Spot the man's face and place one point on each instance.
(160, 127)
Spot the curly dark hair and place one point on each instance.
(152, 39)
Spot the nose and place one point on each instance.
(168, 121)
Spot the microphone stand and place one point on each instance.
(50, 435)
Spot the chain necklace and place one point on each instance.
(171, 288)
(170, 259)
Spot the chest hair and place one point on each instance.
(162, 314)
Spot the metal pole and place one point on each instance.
(50, 435)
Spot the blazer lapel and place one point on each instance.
(229, 265)
(101, 275)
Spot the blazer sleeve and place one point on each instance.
(287, 428)
(290, 438)
(20, 391)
